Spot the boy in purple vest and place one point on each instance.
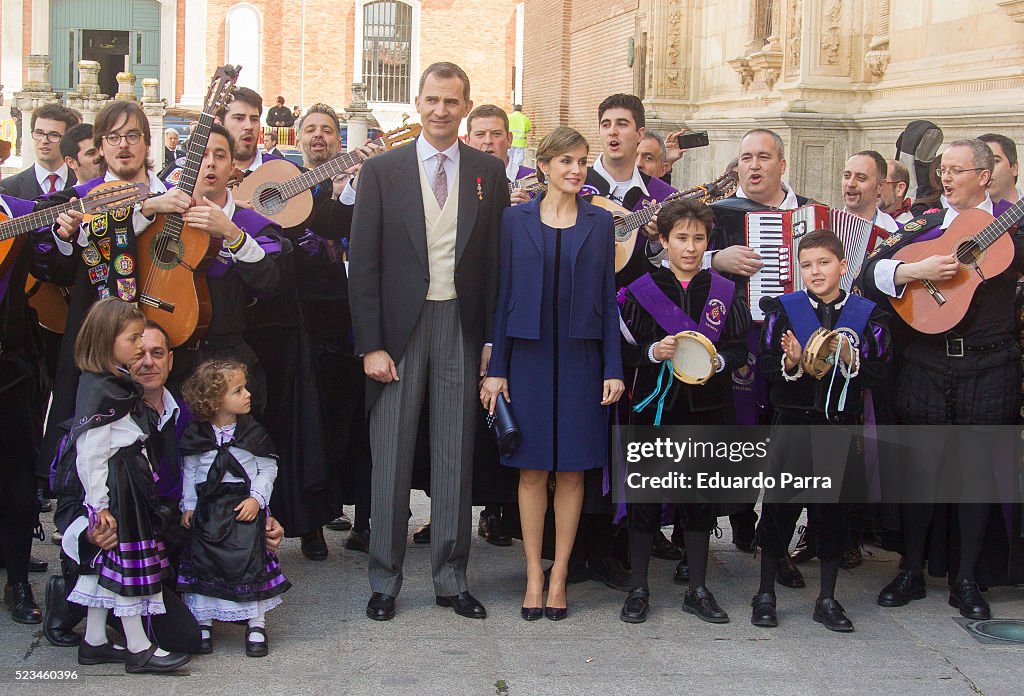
(679, 296)
(798, 399)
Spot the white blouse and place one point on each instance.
(262, 471)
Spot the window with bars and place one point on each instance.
(387, 51)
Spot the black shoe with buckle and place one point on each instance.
(256, 648)
(23, 605)
(490, 529)
(700, 601)
(966, 596)
(830, 613)
(906, 586)
(664, 549)
(636, 606)
(464, 604)
(763, 613)
(788, 575)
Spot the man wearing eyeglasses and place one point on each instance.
(49, 174)
(968, 375)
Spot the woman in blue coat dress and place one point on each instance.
(556, 354)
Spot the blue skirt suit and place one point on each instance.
(556, 335)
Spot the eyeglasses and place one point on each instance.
(114, 139)
(956, 171)
(51, 137)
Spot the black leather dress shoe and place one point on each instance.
(665, 549)
(851, 558)
(149, 661)
(206, 646)
(422, 535)
(314, 546)
(555, 613)
(61, 616)
(381, 607)
(906, 586)
(966, 596)
(700, 601)
(681, 575)
(358, 541)
(339, 524)
(531, 613)
(788, 575)
(805, 546)
(34, 565)
(831, 614)
(256, 648)
(100, 654)
(464, 604)
(636, 606)
(490, 529)
(611, 573)
(23, 605)
(763, 610)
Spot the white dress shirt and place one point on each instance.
(618, 189)
(427, 154)
(42, 173)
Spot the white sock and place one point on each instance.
(257, 622)
(136, 636)
(96, 626)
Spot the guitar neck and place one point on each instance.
(34, 221)
(1001, 225)
(328, 170)
(639, 218)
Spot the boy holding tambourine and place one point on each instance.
(683, 330)
(819, 348)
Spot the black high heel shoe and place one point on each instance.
(555, 614)
(531, 613)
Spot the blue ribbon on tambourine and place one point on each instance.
(506, 430)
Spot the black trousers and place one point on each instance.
(19, 442)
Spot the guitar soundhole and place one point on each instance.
(268, 200)
(968, 253)
(167, 253)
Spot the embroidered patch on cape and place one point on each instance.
(126, 289)
(124, 264)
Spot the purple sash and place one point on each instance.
(673, 319)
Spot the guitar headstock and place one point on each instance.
(218, 95)
(112, 196)
(401, 135)
(722, 187)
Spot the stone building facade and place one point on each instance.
(831, 76)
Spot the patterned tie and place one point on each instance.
(440, 186)
(53, 183)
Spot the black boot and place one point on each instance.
(22, 603)
(60, 615)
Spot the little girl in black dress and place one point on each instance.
(226, 572)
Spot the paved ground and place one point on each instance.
(321, 641)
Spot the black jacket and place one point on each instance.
(24, 184)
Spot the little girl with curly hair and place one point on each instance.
(226, 572)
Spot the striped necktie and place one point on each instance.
(440, 185)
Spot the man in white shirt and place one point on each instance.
(49, 174)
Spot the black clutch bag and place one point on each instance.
(506, 430)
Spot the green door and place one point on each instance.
(119, 33)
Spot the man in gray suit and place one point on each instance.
(423, 286)
(49, 174)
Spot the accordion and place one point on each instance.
(775, 235)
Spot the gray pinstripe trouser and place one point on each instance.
(438, 361)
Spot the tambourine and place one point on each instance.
(694, 360)
(817, 360)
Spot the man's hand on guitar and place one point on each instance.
(174, 201)
(378, 366)
(651, 230)
(68, 222)
(365, 152)
(933, 268)
(210, 217)
(738, 260)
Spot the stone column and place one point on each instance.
(358, 115)
(669, 32)
(125, 86)
(38, 91)
(87, 97)
(155, 108)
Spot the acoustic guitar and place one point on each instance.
(48, 299)
(280, 191)
(627, 223)
(173, 256)
(980, 243)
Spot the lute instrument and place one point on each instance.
(173, 256)
(628, 222)
(281, 191)
(980, 243)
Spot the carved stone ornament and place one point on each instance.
(1014, 8)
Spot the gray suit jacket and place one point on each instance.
(388, 268)
(24, 184)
